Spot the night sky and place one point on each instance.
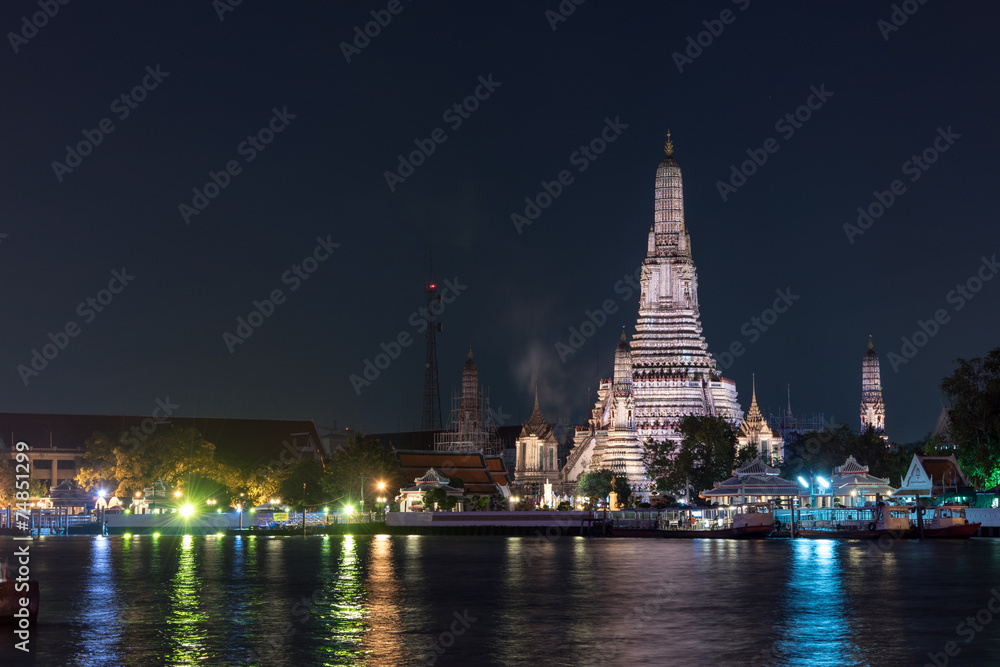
(212, 85)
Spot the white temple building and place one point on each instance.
(666, 372)
(754, 430)
(672, 372)
(537, 454)
(872, 407)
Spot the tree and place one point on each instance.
(176, 455)
(747, 454)
(308, 471)
(98, 463)
(362, 457)
(817, 452)
(436, 496)
(973, 394)
(594, 485)
(705, 455)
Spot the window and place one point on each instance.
(66, 465)
(42, 464)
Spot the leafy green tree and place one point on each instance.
(705, 455)
(973, 393)
(177, 455)
(308, 471)
(747, 454)
(362, 457)
(594, 485)
(436, 497)
(817, 452)
(97, 466)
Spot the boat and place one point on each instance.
(948, 521)
(869, 522)
(751, 520)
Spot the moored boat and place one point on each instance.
(753, 520)
(862, 523)
(948, 521)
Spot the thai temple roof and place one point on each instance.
(536, 424)
(755, 478)
(755, 467)
(853, 476)
(480, 473)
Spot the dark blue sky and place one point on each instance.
(323, 176)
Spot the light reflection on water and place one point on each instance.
(185, 626)
(566, 601)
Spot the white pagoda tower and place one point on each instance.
(872, 407)
(673, 373)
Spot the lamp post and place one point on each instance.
(361, 505)
(303, 509)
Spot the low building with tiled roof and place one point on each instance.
(933, 476)
(754, 482)
(853, 486)
(411, 498)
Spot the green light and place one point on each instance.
(156, 534)
(187, 510)
(127, 535)
(348, 509)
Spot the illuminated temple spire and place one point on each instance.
(872, 407)
(673, 373)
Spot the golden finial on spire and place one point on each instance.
(669, 147)
(870, 346)
(623, 334)
(470, 352)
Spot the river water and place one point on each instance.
(484, 600)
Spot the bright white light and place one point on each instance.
(803, 482)
(822, 482)
(100, 493)
(187, 510)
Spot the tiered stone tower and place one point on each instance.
(673, 373)
(872, 407)
(622, 451)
